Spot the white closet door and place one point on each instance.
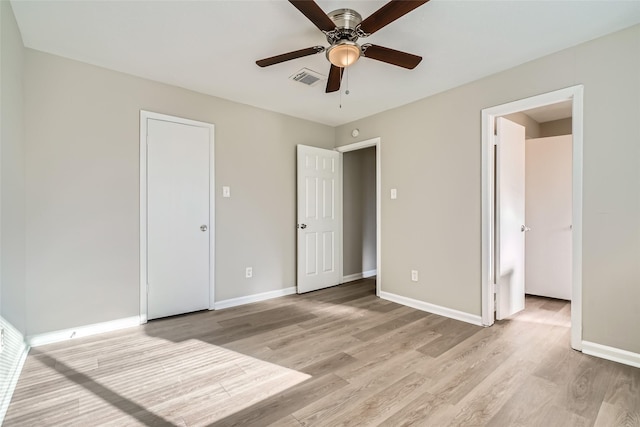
(178, 165)
(510, 220)
(549, 212)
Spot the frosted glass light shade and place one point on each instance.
(343, 54)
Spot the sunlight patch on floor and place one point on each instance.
(197, 382)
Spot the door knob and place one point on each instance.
(203, 228)
(303, 226)
(524, 228)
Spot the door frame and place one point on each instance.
(373, 142)
(144, 117)
(576, 95)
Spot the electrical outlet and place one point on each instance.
(248, 272)
(414, 275)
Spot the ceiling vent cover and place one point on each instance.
(307, 77)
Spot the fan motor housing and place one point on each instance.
(347, 22)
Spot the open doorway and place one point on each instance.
(556, 249)
(359, 214)
(361, 232)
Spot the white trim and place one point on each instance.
(144, 116)
(233, 302)
(576, 270)
(13, 381)
(340, 214)
(373, 142)
(369, 273)
(358, 276)
(432, 308)
(611, 353)
(574, 93)
(82, 331)
(351, 278)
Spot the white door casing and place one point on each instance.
(177, 216)
(548, 213)
(576, 95)
(510, 220)
(319, 200)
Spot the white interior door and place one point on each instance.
(510, 218)
(549, 212)
(319, 207)
(178, 229)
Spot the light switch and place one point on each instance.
(394, 193)
(226, 191)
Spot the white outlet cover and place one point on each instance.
(394, 193)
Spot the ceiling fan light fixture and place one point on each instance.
(344, 53)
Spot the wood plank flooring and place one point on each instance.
(336, 357)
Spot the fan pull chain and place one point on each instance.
(340, 93)
(346, 92)
(345, 70)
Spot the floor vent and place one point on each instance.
(307, 77)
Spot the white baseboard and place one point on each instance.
(611, 353)
(82, 331)
(13, 381)
(358, 276)
(233, 302)
(370, 273)
(432, 308)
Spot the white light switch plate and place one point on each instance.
(394, 193)
(226, 191)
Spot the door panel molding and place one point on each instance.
(575, 94)
(319, 213)
(145, 116)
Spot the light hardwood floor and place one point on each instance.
(336, 357)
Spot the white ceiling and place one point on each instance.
(211, 46)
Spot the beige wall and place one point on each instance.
(12, 174)
(12, 201)
(82, 150)
(431, 152)
(359, 208)
(556, 128)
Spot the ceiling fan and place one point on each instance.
(343, 28)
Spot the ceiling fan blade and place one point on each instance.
(312, 11)
(389, 13)
(289, 56)
(391, 56)
(333, 82)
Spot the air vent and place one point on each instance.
(307, 77)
